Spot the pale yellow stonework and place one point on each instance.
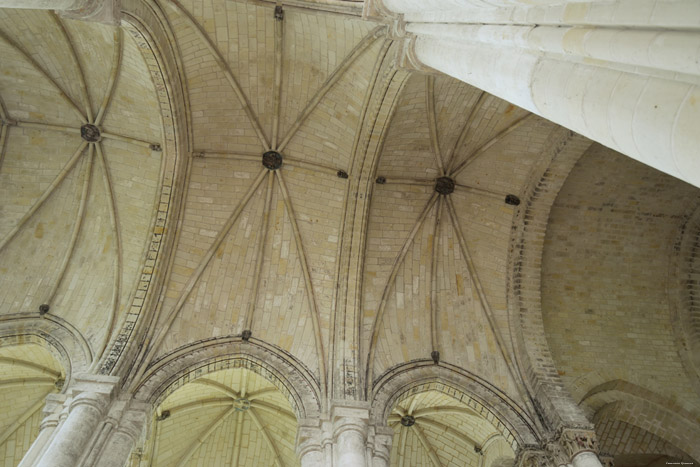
(168, 300)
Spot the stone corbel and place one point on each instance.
(100, 385)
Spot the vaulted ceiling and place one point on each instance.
(275, 249)
(75, 213)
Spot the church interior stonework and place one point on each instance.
(346, 233)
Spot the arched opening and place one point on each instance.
(233, 416)
(434, 426)
(28, 373)
(452, 387)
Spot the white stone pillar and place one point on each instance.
(48, 425)
(123, 440)
(432, 5)
(70, 442)
(309, 444)
(586, 459)
(350, 427)
(92, 395)
(121, 431)
(312, 456)
(51, 412)
(632, 87)
(581, 447)
(343, 439)
(379, 445)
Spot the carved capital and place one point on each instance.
(557, 454)
(397, 28)
(54, 404)
(309, 438)
(375, 10)
(532, 457)
(350, 417)
(606, 459)
(576, 441)
(406, 56)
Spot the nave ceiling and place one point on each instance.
(345, 258)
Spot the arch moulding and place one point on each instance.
(65, 342)
(145, 24)
(552, 401)
(189, 362)
(684, 297)
(420, 376)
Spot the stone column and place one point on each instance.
(101, 11)
(46, 428)
(431, 5)
(91, 397)
(379, 445)
(630, 84)
(311, 455)
(122, 441)
(343, 439)
(309, 445)
(51, 412)
(350, 427)
(580, 447)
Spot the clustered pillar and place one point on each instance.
(346, 438)
(625, 77)
(88, 426)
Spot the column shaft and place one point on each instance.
(351, 449)
(432, 5)
(313, 459)
(117, 450)
(586, 459)
(622, 73)
(37, 448)
(380, 462)
(651, 119)
(679, 14)
(70, 441)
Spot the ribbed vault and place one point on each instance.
(453, 163)
(257, 246)
(347, 218)
(79, 169)
(232, 417)
(434, 428)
